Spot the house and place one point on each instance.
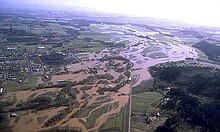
(151, 119)
(190, 60)
(41, 49)
(12, 48)
(61, 81)
(13, 114)
(129, 80)
(110, 86)
(167, 99)
(158, 114)
(2, 90)
(168, 88)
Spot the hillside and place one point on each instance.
(192, 97)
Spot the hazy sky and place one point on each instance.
(202, 12)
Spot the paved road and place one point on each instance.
(129, 109)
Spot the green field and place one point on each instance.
(11, 86)
(117, 121)
(150, 49)
(125, 42)
(95, 49)
(22, 27)
(94, 115)
(145, 86)
(202, 56)
(158, 55)
(38, 31)
(84, 45)
(57, 28)
(142, 127)
(102, 37)
(91, 120)
(85, 112)
(22, 39)
(141, 101)
(95, 29)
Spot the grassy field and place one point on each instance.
(95, 29)
(158, 55)
(117, 121)
(22, 27)
(141, 29)
(23, 39)
(95, 49)
(150, 49)
(91, 120)
(141, 101)
(88, 46)
(164, 39)
(85, 112)
(79, 43)
(139, 105)
(142, 127)
(31, 80)
(145, 86)
(102, 37)
(201, 55)
(30, 47)
(38, 31)
(57, 28)
(11, 86)
(125, 42)
(94, 115)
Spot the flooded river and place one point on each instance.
(144, 52)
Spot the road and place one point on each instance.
(129, 109)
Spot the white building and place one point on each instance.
(41, 49)
(1, 90)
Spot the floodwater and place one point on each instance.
(135, 51)
(24, 95)
(173, 50)
(93, 95)
(161, 52)
(29, 121)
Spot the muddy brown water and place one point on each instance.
(28, 122)
(23, 95)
